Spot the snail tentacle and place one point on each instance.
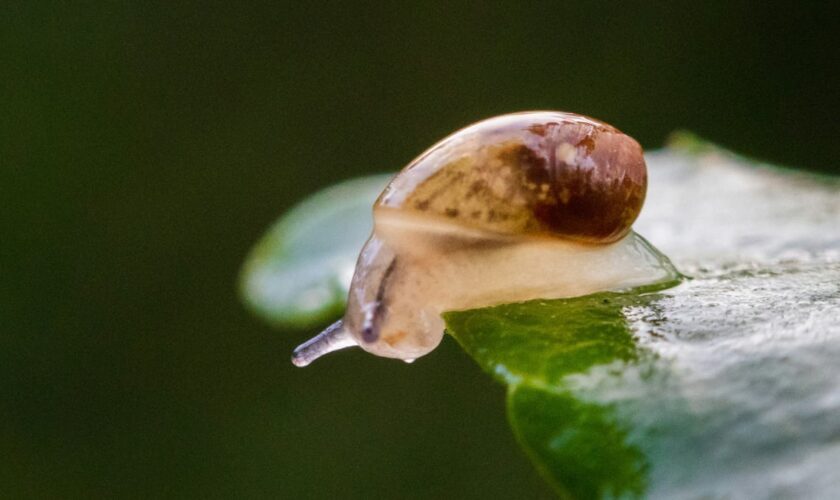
(333, 338)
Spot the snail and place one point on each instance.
(534, 205)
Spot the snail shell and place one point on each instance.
(555, 174)
(517, 207)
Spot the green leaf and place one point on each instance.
(579, 447)
(299, 272)
(724, 386)
(716, 387)
(533, 347)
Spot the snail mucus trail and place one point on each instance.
(535, 205)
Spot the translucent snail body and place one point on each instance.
(514, 208)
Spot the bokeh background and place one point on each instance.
(144, 147)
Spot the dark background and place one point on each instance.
(144, 148)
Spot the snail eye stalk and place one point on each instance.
(373, 317)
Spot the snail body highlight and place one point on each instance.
(535, 205)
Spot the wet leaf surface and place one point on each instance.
(723, 386)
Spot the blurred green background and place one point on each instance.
(144, 147)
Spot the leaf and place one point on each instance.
(577, 446)
(299, 272)
(696, 391)
(724, 386)
(533, 347)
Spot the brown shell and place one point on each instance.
(545, 172)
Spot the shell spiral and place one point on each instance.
(535, 173)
